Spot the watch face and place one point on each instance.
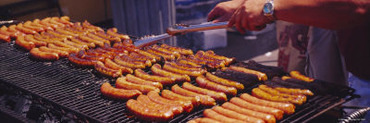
(267, 8)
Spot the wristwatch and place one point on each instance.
(268, 10)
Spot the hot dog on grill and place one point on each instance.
(108, 90)
(205, 83)
(205, 100)
(203, 120)
(219, 117)
(278, 114)
(174, 96)
(82, 62)
(225, 82)
(99, 66)
(169, 67)
(261, 76)
(164, 80)
(59, 52)
(236, 115)
(297, 75)
(41, 55)
(157, 70)
(186, 105)
(137, 80)
(288, 108)
(268, 118)
(121, 82)
(174, 108)
(24, 44)
(219, 96)
(268, 95)
(144, 112)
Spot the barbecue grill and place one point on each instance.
(73, 93)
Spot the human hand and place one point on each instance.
(224, 10)
(249, 16)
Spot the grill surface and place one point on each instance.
(78, 89)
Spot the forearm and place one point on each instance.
(331, 14)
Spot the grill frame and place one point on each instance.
(25, 74)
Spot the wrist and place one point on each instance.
(269, 10)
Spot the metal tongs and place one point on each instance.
(179, 29)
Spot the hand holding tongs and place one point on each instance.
(182, 29)
(179, 29)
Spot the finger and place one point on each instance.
(246, 22)
(238, 21)
(214, 14)
(232, 20)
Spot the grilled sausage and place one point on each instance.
(40, 24)
(297, 75)
(268, 118)
(25, 30)
(219, 117)
(76, 40)
(145, 99)
(174, 96)
(184, 61)
(167, 57)
(137, 80)
(41, 55)
(228, 61)
(54, 20)
(144, 112)
(219, 96)
(296, 99)
(204, 99)
(167, 66)
(288, 108)
(99, 66)
(102, 34)
(108, 90)
(82, 62)
(129, 64)
(223, 81)
(76, 45)
(182, 51)
(12, 28)
(90, 40)
(69, 50)
(4, 37)
(164, 80)
(165, 51)
(38, 43)
(294, 91)
(186, 105)
(235, 115)
(257, 92)
(125, 70)
(113, 32)
(187, 67)
(59, 52)
(24, 44)
(93, 36)
(205, 83)
(28, 25)
(278, 114)
(121, 82)
(157, 70)
(261, 76)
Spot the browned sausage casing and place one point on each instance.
(121, 82)
(144, 112)
(219, 96)
(205, 83)
(108, 90)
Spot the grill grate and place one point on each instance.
(78, 89)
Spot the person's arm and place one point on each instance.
(330, 14)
